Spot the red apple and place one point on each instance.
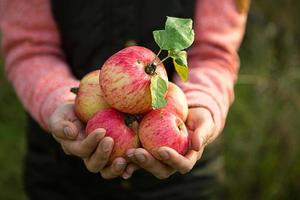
(160, 128)
(126, 76)
(89, 98)
(113, 122)
(177, 102)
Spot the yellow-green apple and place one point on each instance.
(161, 128)
(177, 102)
(89, 98)
(121, 130)
(126, 76)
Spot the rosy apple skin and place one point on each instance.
(89, 98)
(177, 102)
(160, 128)
(113, 122)
(124, 82)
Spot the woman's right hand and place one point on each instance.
(94, 149)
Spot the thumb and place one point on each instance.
(202, 135)
(64, 124)
(64, 130)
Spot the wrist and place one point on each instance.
(57, 98)
(200, 99)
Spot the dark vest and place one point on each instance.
(91, 31)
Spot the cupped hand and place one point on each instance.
(94, 149)
(201, 128)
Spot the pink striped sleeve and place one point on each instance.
(213, 59)
(33, 59)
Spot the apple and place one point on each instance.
(121, 131)
(161, 128)
(89, 98)
(126, 76)
(177, 102)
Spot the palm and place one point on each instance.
(200, 126)
(67, 114)
(94, 148)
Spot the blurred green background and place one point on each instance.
(261, 138)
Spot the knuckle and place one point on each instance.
(186, 170)
(105, 175)
(163, 176)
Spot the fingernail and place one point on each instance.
(100, 136)
(68, 131)
(106, 146)
(126, 176)
(120, 166)
(130, 153)
(100, 130)
(140, 158)
(164, 155)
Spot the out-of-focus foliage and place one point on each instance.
(260, 141)
(12, 143)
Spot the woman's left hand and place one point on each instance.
(200, 125)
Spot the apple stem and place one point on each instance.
(179, 126)
(74, 90)
(150, 69)
(163, 60)
(157, 54)
(132, 121)
(135, 127)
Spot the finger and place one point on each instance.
(81, 129)
(145, 160)
(65, 150)
(84, 148)
(202, 135)
(100, 157)
(64, 130)
(116, 169)
(129, 170)
(180, 163)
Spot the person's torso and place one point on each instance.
(91, 31)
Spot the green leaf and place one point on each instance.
(158, 89)
(178, 34)
(182, 71)
(180, 63)
(160, 38)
